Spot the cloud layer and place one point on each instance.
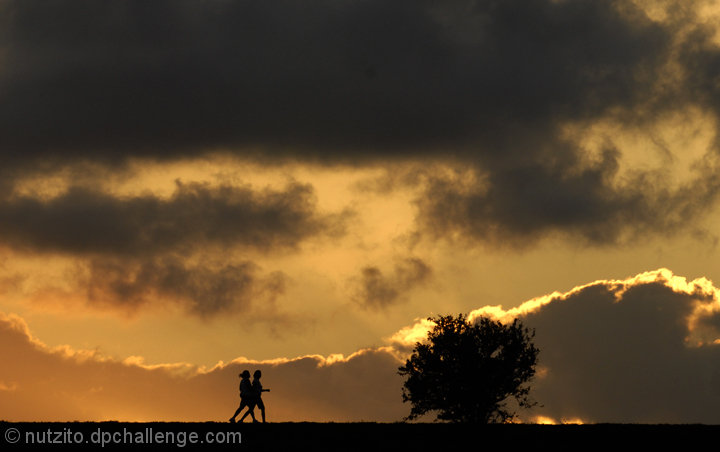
(376, 290)
(631, 352)
(641, 350)
(196, 247)
(86, 222)
(103, 80)
(644, 349)
(40, 383)
(202, 289)
(496, 87)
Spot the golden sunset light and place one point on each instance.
(190, 189)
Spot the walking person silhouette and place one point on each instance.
(257, 393)
(246, 397)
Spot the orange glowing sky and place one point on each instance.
(191, 188)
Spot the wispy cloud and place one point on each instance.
(376, 290)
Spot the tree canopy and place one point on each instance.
(469, 372)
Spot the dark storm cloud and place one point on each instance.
(489, 83)
(83, 221)
(376, 290)
(641, 350)
(700, 57)
(202, 289)
(191, 248)
(110, 79)
(628, 353)
(517, 206)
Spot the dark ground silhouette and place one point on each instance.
(377, 437)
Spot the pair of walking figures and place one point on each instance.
(250, 396)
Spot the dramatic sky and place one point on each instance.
(190, 188)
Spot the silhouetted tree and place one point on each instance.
(468, 372)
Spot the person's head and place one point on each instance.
(245, 374)
(257, 374)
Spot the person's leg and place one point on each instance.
(261, 405)
(250, 411)
(242, 405)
